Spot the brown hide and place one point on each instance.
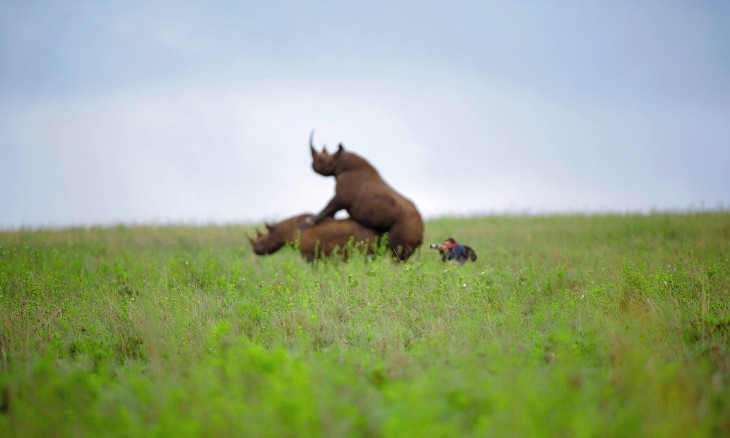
(315, 241)
(369, 200)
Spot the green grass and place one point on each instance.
(565, 326)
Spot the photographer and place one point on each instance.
(452, 251)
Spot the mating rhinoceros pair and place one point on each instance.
(374, 209)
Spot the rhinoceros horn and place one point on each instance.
(311, 143)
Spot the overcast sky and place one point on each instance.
(196, 112)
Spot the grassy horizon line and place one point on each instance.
(197, 223)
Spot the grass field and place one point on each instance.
(615, 325)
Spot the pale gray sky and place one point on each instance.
(139, 112)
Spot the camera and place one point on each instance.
(437, 246)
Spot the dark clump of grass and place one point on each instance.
(566, 325)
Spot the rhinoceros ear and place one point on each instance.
(340, 148)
